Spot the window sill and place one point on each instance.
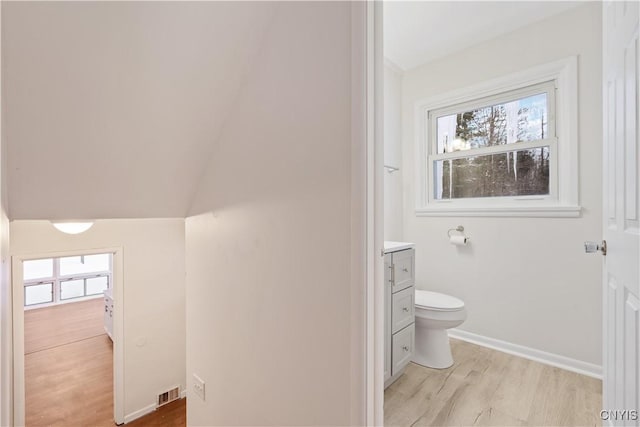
(502, 211)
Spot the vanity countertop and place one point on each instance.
(396, 246)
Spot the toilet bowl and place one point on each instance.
(435, 313)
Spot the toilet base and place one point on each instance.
(432, 348)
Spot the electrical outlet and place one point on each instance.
(198, 386)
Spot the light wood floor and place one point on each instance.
(489, 388)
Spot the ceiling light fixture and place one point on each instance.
(73, 227)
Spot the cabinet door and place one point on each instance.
(402, 348)
(403, 274)
(387, 316)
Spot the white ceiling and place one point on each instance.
(112, 109)
(418, 32)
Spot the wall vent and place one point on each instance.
(168, 396)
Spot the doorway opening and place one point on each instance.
(68, 338)
(472, 167)
(68, 313)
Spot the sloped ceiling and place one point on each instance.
(112, 109)
(416, 32)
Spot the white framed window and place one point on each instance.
(507, 147)
(52, 281)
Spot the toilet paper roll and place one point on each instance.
(458, 240)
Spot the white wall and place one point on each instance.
(393, 153)
(85, 82)
(524, 280)
(154, 294)
(268, 245)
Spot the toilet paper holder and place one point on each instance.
(459, 229)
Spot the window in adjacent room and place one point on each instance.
(55, 280)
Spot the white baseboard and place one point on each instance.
(147, 410)
(563, 362)
(139, 413)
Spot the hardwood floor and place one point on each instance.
(70, 384)
(69, 370)
(62, 324)
(485, 387)
(68, 366)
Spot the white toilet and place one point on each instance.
(435, 313)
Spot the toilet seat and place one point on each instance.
(437, 301)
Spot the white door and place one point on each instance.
(621, 385)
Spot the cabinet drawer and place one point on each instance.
(402, 309)
(402, 348)
(403, 270)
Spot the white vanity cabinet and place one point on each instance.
(108, 313)
(399, 338)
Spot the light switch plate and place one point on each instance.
(198, 387)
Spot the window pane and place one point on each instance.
(85, 264)
(37, 269)
(524, 119)
(38, 294)
(515, 173)
(71, 289)
(96, 285)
